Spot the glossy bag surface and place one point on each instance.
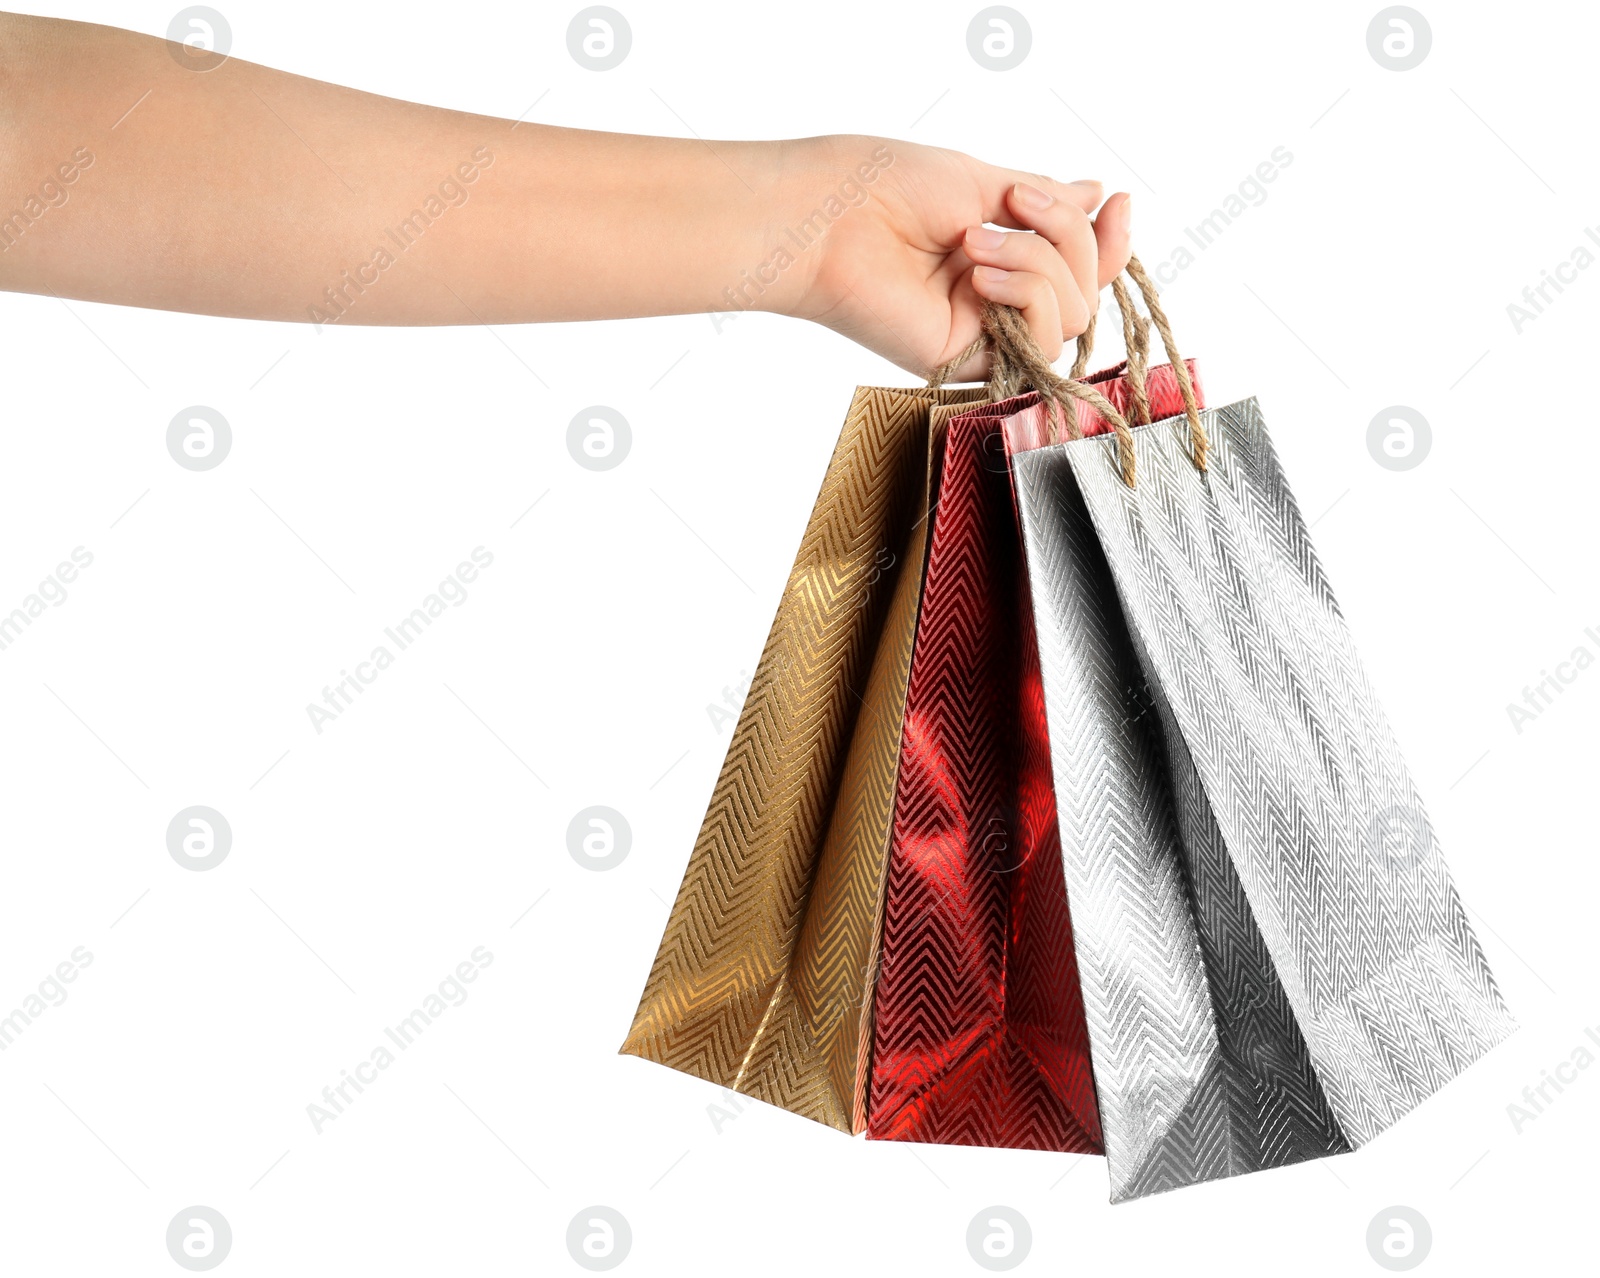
(979, 1034)
(1275, 963)
(760, 982)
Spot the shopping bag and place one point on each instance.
(1275, 962)
(978, 1026)
(760, 980)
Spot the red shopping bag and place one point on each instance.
(978, 1023)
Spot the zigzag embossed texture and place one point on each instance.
(1201, 1070)
(1335, 854)
(760, 980)
(979, 1035)
(1242, 834)
(978, 1023)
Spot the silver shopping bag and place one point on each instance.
(1275, 963)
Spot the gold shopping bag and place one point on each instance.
(762, 982)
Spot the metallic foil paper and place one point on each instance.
(978, 1021)
(1275, 962)
(761, 979)
(979, 1035)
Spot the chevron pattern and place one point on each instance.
(979, 1036)
(1271, 969)
(1275, 1111)
(759, 984)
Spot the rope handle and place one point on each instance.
(1018, 365)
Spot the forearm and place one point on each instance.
(245, 191)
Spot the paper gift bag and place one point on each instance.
(760, 981)
(978, 1028)
(1270, 974)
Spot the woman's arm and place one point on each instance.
(126, 176)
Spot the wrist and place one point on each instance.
(817, 189)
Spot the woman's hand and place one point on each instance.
(252, 192)
(906, 272)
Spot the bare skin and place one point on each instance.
(127, 175)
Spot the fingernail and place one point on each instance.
(1085, 182)
(991, 273)
(1033, 197)
(984, 238)
(1127, 213)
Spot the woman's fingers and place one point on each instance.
(1020, 251)
(1112, 236)
(997, 184)
(1032, 294)
(1057, 258)
(1067, 228)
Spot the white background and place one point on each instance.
(430, 819)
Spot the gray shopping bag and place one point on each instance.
(1275, 963)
